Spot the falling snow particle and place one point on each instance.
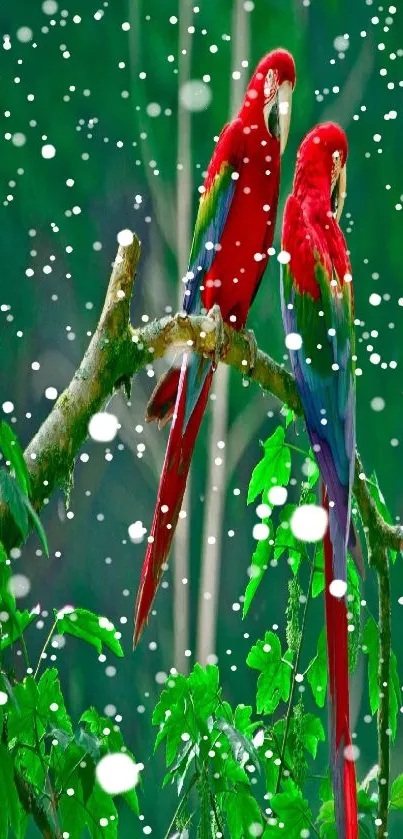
(3, 697)
(8, 407)
(309, 522)
(293, 341)
(49, 7)
(24, 34)
(351, 752)
(18, 139)
(125, 237)
(377, 403)
(260, 532)
(153, 109)
(136, 532)
(51, 393)
(117, 773)
(195, 95)
(375, 299)
(103, 427)
(338, 588)
(341, 43)
(284, 257)
(277, 495)
(19, 585)
(48, 151)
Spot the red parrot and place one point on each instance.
(233, 232)
(318, 310)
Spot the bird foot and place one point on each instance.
(215, 315)
(253, 350)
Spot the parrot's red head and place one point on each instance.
(269, 93)
(325, 149)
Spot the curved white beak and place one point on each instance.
(284, 99)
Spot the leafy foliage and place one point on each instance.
(47, 765)
(274, 468)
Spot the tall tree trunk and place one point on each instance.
(216, 482)
(183, 234)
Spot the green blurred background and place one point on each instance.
(106, 97)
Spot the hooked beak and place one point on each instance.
(339, 193)
(284, 97)
(277, 114)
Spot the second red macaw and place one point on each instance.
(233, 232)
(318, 309)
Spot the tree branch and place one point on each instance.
(117, 352)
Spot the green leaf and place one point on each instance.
(173, 708)
(101, 806)
(13, 628)
(326, 817)
(10, 494)
(9, 809)
(312, 733)
(275, 674)
(396, 794)
(293, 811)
(72, 812)
(273, 468)
(243, 814)
(371, 648)
(259, 564)
(203, 683)
(13, 452)
(365, 803)
(21, 720)
(109, 739)
(395, 695)
(313, 469)
(241, 746)
(37, 523)
(317, 671)
(376, 493)
(51, 708)
(289, 415)
(91, 628)
(318, 582)
(287, 542)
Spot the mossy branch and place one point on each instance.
(117, 352)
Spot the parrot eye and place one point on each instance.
(269, 85)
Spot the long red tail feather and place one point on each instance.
(342, 764)
(170, 495)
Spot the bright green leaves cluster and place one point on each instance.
(15, 486)
(210, 745)
(41, 751)
(273, 684)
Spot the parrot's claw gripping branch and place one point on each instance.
(117, 352)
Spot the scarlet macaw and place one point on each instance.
(318, 306)
(233, 232)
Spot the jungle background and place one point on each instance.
(108, 86)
